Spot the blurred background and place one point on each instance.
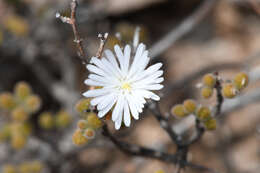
(38, 49)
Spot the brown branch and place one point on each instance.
(220, 98)
(103, 40)
(155, 109)
(185, 27)
(73, 22)
(137, 150)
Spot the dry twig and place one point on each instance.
(73, 22)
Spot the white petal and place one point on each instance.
(132, 107)
(91, 82)
(104, 111)
(118, 122)
(107, 80)
(101, 65)
(140, 64)
(159, 80)
(127, 53)
(96, 70)
(155, 97)
(136, 102)
(97, 100)
(151, 87)
(105, 102)
(154, 68)
(117, 109)
(110, 56)
(97, 92)
(148, 79)
(127, 118)
(114, 70)
(120, 56)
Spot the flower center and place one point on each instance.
(126, 86)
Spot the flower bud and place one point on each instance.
(63, 119)
(36, 166)
(5, 132)
(159, 171)
(26, 129)
(8, 168)
(206, 92)
(7, 101)
(94, 121)
(33, 103)
(89, 133)
(19, 114)
(229, 91)
(209, 80)
(22, 90)
(179, 111)
(46, 120)
(82, 124)
(18, 141)
(203, 113)
(78, 138)
(82, 105)
(241, 81)
(24, 167)
(190, 105)
(210, 124)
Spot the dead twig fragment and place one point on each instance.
(73, 22)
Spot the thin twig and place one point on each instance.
(155, 109)
(220, 98)
(137, 150)
(73, 22)
(103, 39)
(185, 27)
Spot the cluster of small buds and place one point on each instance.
(182, 110)
(19, 106)
(190, 107)
(87, 126)
(209, 82)
(240, 81)
(25, 167)
(159, 171)
(60, 120)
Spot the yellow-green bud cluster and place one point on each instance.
(19, 106)
(82, 106)
(18, 134)
(159, 171)
(182, 110)
(48, 120)
(86, 129)
(231, 90)
(24, 167)
(23, 98)
(203, 113)
(209, 81)
(7, 101)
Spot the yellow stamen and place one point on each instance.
(126, 86)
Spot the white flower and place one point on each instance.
(125, 83)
